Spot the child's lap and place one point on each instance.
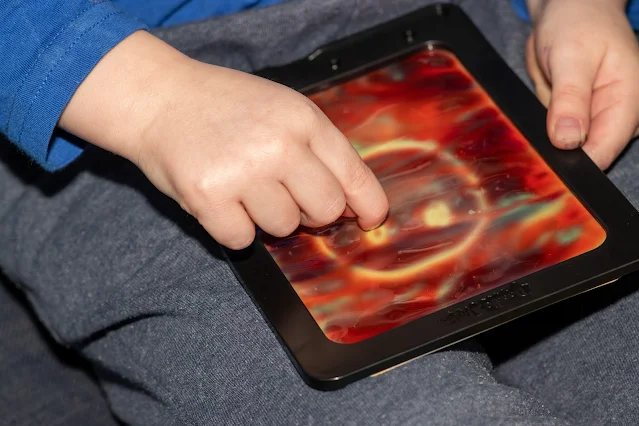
(123, 276)
(586, 364)
(119, 272)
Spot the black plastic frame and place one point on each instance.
(327, 365)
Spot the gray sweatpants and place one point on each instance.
(119, 273)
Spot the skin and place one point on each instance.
(236, 151)
(583, 58)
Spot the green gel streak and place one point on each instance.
(568, 236)
(331, 307)
(507, 201)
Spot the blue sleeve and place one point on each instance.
(632, 11)
(633, 14)
(521, 9)
(47, 48)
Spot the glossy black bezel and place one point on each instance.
(327, 365)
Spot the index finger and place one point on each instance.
(363, 191)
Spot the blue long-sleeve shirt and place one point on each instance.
(48, 47)
(632, 10)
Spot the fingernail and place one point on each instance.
(568, 132)
(372, 228)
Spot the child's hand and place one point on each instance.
(233, 149)
(584, 60)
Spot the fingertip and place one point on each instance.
(235, 235)
(370, 206)
(371, 226)
(239, 243)
(602, 158)
(375, 220)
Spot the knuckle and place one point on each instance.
(270, 149)
(571, 99)
(207, 184)
(208, 198)
(572, 91)
(307, 109)
(308, 117)
(201, 199)
(276, 147)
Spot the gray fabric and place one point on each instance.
(292, 30)
(119, 273)
(586, 365)
(39, 383)
(586, 369)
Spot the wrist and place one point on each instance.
(122, 95)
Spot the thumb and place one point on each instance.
(572, 75)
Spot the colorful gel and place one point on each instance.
(473, 206)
